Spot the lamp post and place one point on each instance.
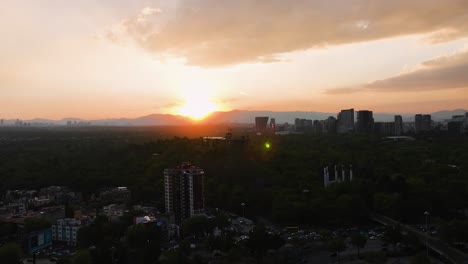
(427, 247)
(112, 254)
(243, 209)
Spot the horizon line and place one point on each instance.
(229, 111)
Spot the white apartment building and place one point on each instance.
(66, 230)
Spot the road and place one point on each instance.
(453, 255)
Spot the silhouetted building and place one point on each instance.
(455, 127)
(317, 127)
(422, 123)
(184, 192)
(346, 121)
(261, 124)
(330, 125)
(465, 124)
(302, 125)
(398, 125)
(273, 124)
(1, 122)
(365, 122)
(384, 128)
(427, 122)
(418, 123)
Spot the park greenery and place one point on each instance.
(282, 182)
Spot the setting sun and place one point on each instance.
(197, 95)
(197, 108)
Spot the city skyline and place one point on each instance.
(116, 59)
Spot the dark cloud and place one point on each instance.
(222, 32)
(442, 73)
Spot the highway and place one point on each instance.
(453, 255)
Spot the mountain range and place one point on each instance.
(230, 117)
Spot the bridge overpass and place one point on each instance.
(451, 254)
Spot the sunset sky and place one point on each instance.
(114, 58)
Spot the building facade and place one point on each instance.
(184, 192)
(398, 125)
(422, 123)
(365, 122)
(261, 124)
(384, 128)
(37, 240)
(66, 230)
(273, 124)
(346, 121)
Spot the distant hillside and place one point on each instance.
(442, 115)
(150, 120)
(235, 116)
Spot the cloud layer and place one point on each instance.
(442, 73)
(223, 32)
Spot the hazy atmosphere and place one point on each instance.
(114, 58)
(234, 132)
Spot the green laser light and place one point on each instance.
(267, 145)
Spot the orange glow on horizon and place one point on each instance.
(198, 96)
(197, 109)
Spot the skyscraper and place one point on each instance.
(426, 122)
(465, 124)
(418, 123)
(273, 124)
(422, 123)
(261, 124)
(398, 125)
(330, 125)
(346, 121)
(365, 122)
(184, 192)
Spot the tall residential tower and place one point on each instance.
(365, 122)
(184, 192)
(346, 121)
(398, 125)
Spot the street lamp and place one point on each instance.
(112, 254)
(243, 209)
(427, 247)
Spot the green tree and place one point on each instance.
(144, 242)
(337, 245)
(36, 224)
(393, 236)
(82, 257)
(69, 211)
(375, 257)
(223, 242)
(359, 241)
(184, 247)
(197, 226)
(66, 260)
(7, 229)
(420, 258)
(260, 242)
(10, 254)
(172, 257)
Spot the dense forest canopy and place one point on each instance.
(283, 182)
